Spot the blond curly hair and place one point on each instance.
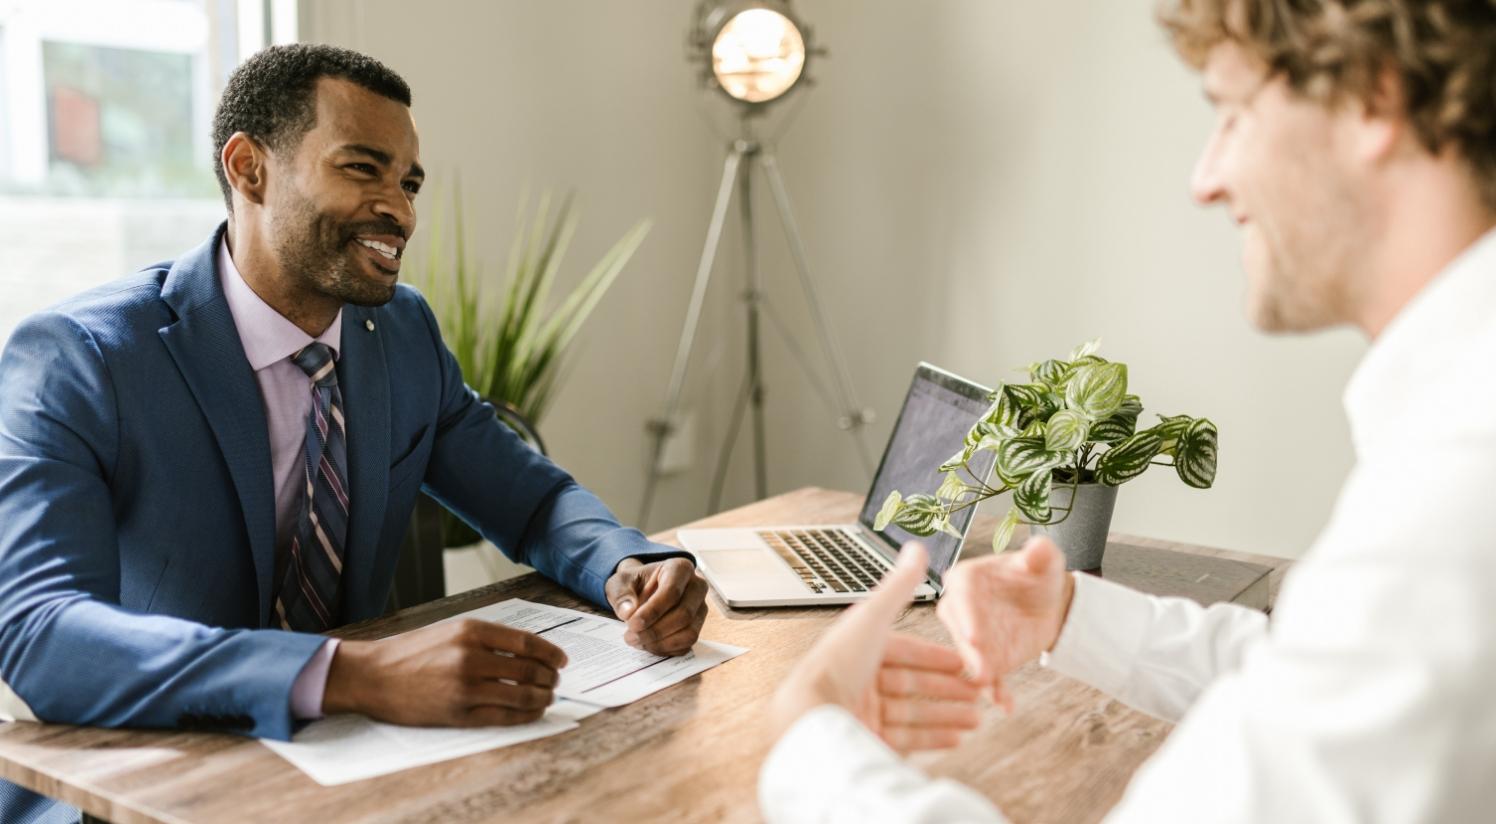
(1329, 50)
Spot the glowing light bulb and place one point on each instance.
(758, 55)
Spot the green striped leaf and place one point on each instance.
(1051, 402)
(1003, 418)
(983, 430)
(1097, 390)
(889, 509)
(943, 524)
(1066, 430)
(1171, 428)
(1128, 459)
(1085, 349)
(919, 514)
(1032, 496)
(1121, 424)
(958, 460)
(1053, 372)
(1018, 458)
(1004, 533)
(1195, 456)
(953, 488)
(1027, 395)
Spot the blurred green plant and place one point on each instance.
(513, 349)
(1072, 423)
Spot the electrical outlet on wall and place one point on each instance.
(679, 451)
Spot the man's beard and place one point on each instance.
(317, 252)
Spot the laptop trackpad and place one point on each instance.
(743, 562)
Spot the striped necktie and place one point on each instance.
(307, 599)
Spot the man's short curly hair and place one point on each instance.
(1330, 50)
(270, 97)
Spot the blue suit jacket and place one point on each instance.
(137, 518)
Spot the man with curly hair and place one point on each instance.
(1355, 147)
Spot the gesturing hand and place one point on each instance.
(465, 673)
(1004, 610)
(907, 690)
(664, 604)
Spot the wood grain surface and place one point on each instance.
(689, 753)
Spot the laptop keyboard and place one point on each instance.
(826, 559)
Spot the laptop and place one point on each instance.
(774, 566)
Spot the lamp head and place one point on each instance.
(753, 51)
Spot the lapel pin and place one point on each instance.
(369, 325)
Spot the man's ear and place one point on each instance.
(1383, 118)
(245, 165)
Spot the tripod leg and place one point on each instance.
(856, 415)
(719, 478)
(754, 298)
(662, 427)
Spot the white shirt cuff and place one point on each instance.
(1103, 632)
(830, 768)
(311, 684)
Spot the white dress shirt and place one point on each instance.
(1371, 696)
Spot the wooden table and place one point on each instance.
(689, 753)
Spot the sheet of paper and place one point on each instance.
(602, 671)
(344, 748)
(602, 668)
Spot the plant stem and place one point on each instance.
(983, 484)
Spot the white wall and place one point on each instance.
(981, 184)
(990, 183)
(570, 94)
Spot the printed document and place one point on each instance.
(602, 671)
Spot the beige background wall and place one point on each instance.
(981, 183)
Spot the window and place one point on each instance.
(106, 111)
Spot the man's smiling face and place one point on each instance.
(1277, 162)
(342, 204)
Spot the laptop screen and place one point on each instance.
(938, 412)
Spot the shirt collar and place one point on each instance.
(268, 337)
(1399, 384)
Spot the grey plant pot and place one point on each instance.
(1082, 535)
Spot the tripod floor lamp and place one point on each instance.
(755, 52)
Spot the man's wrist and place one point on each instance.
(347, 678)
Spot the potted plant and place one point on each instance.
(1061, 443)
(511, 350)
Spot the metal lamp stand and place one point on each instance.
(743, 155)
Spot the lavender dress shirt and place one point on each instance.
(270, 340)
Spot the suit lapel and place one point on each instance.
(363, 376)
(205, 345)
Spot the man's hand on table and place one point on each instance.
(1002, 611)
(907, 690)
(466, 673)
(663, 603)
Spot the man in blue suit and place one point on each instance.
(206, 465)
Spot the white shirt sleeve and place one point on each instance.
(1371, 699)
(1372, 695)
(1153, 654)
(829, 769)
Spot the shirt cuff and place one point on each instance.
(816, 763)
(1102, 634)
(307, 691)
(829, 767)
